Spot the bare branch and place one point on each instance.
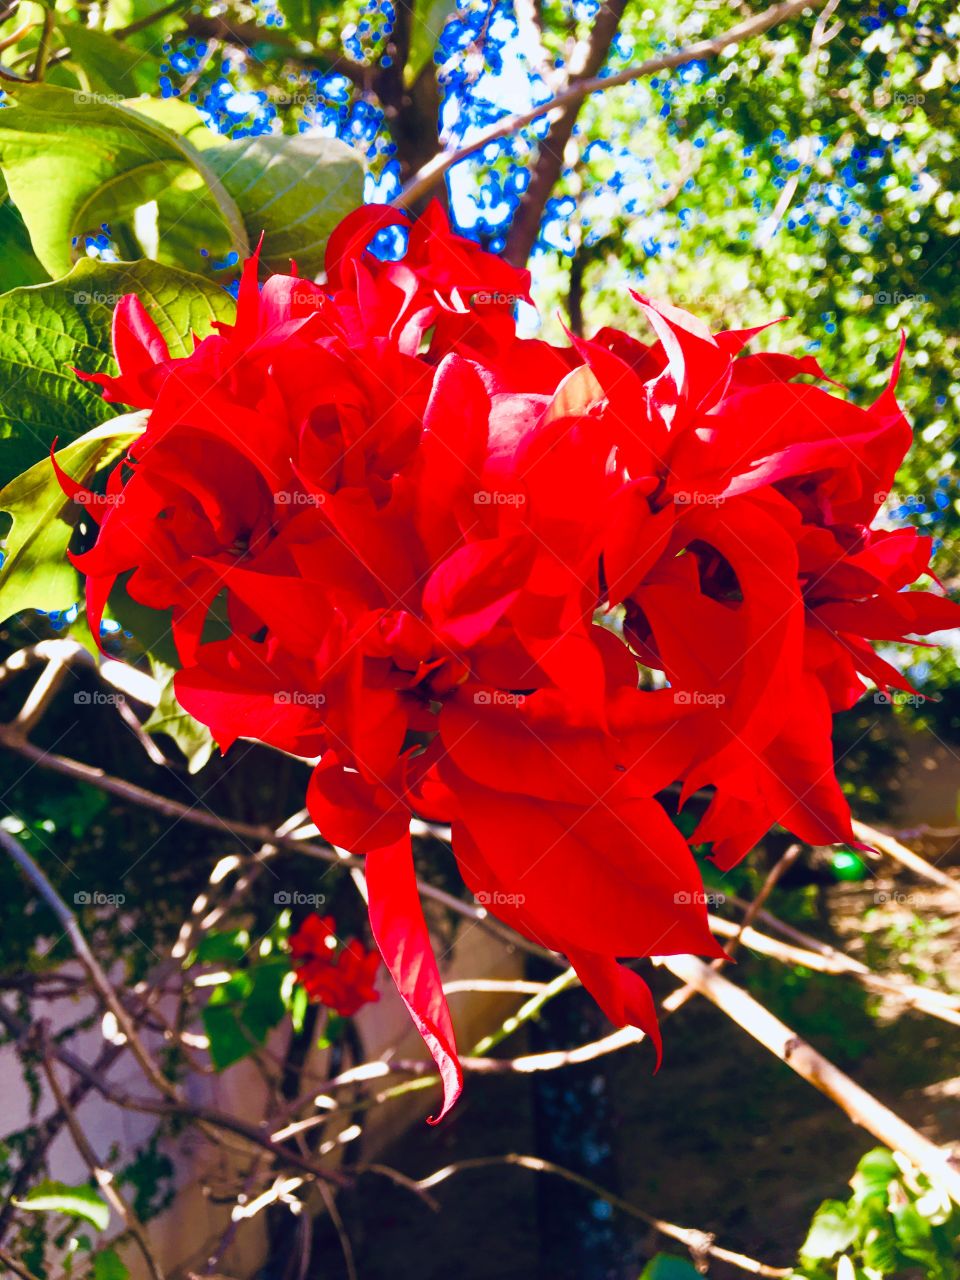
(861, 1107)
(938, 1004)
(16, 1267)
(906, 857)
(258, 833)
(585, 62)
(677, 999)
(249, 34)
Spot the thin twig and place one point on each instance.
(259, 833)
(677, 999)
(938, 1004)
(820, 36)
(208, 1116)
(698, 1242)
(43, 45)
(346, 1246)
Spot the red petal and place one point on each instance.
(622, 994)
(400, 930)
(355, 814)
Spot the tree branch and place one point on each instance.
(587, 59)
(906, 857)
(247, 35)
(430, 174)
(259, 833)
(208, 1116)
(698, 1242)
(861, 1107)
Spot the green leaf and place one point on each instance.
(665, 1266)
(77, 1202)
(879, 1249)
(227, 946)
(295, 189)
(107, 66)
(36, 573)
(302, 17)
(333, 1031)
(108, 1265)
(121, 13)
(429, 19)
(151, 628)
(47, 329)
(299, 1002)
(74, 165)
(193, 739)
(875, 1171)
(914, 1233)
(240, 1013)
(18, 262)
(832, 1230)
(265, 1007)
(229, 1042)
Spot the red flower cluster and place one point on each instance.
(339, 977)
(533, 591)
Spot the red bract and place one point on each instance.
(339, 977)
(543, 594)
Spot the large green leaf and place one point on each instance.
(76, 1202)
(75, 165)
(295, 189)
(72, 164)
(36, 573)
(47, 329)
(18, 262)
(105, 65)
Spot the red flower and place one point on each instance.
(522, 589)
(341, 978)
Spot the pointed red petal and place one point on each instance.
(400, 930)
